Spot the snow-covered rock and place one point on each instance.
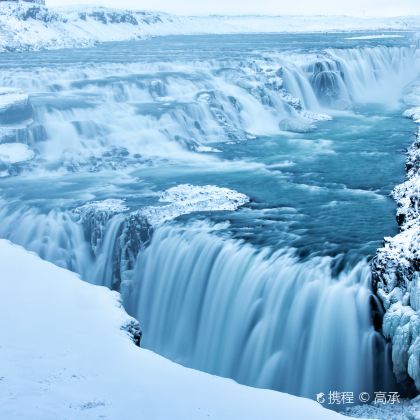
(127, 232)
(396, 273)
(187, 198)
(65, 354)
(31, 25)
(95, 215)
(413, 113)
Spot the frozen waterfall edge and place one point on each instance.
(396, 272)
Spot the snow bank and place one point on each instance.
(65, 354)
(33, 26)
(396, 271)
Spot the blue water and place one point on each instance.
(275, 294)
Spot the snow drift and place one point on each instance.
(68, 356)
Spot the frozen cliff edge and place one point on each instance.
(66, 356)
(396, 272)
(32, 26)
(112, 225)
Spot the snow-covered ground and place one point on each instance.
(64, 354)
(26, 26)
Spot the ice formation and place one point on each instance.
(396, 271)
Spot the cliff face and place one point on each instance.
(396, 270)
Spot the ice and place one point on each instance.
(109, 205)
(396, 268)
(187, 198)
(383, 36)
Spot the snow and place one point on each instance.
(109, 205)
(26, 26)
(187, 198)
(413, 113)
(65, 354)
(15, 153)
(405, 410)
(383, 36)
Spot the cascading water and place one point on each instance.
(265, 320)
(163, 110)
(274, 297)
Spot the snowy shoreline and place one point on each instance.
(66, 355)
(30, 26)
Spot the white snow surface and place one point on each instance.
(110, 205)
(15, 153)
(381, 36)
(26, 26)
(187, 198)
(63, 355)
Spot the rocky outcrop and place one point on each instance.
(117, 235)
(396, 275)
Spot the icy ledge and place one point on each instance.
(66, 355)
(176, 201)
(396, 269)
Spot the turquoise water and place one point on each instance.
(275, 294)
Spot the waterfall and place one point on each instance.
(260, 316)
(220, 305)
(263, 318)
(171, 111)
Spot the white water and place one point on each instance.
(216, 304)
(171, 111)
(265, 320)
(221, 306)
